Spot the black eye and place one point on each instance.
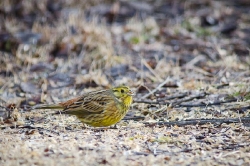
(122, 91)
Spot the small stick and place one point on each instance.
(188, 99)
(200, 122)
(209, 104)
(157, 88)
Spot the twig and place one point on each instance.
(162, 101)
(221, 86)
(141, 153)
(148, 102)
(40, 129)
(234, 146)
(181, 95)
(157, 88)
(134, 118)
(209, 104)
(188, 99)
(200, 122)
(150, 69)
(240, 109)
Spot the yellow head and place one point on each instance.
(123, 94)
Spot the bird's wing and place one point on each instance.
(87, 104)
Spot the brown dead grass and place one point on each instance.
(78, 55)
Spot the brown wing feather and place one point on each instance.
(90, 103)
(70, 102)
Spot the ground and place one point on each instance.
(187, 61)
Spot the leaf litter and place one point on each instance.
(188, 62)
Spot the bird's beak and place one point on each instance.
(131, 93)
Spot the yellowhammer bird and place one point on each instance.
(98, 108)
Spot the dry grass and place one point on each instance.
(180, 69)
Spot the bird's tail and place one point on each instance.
(48, 106)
